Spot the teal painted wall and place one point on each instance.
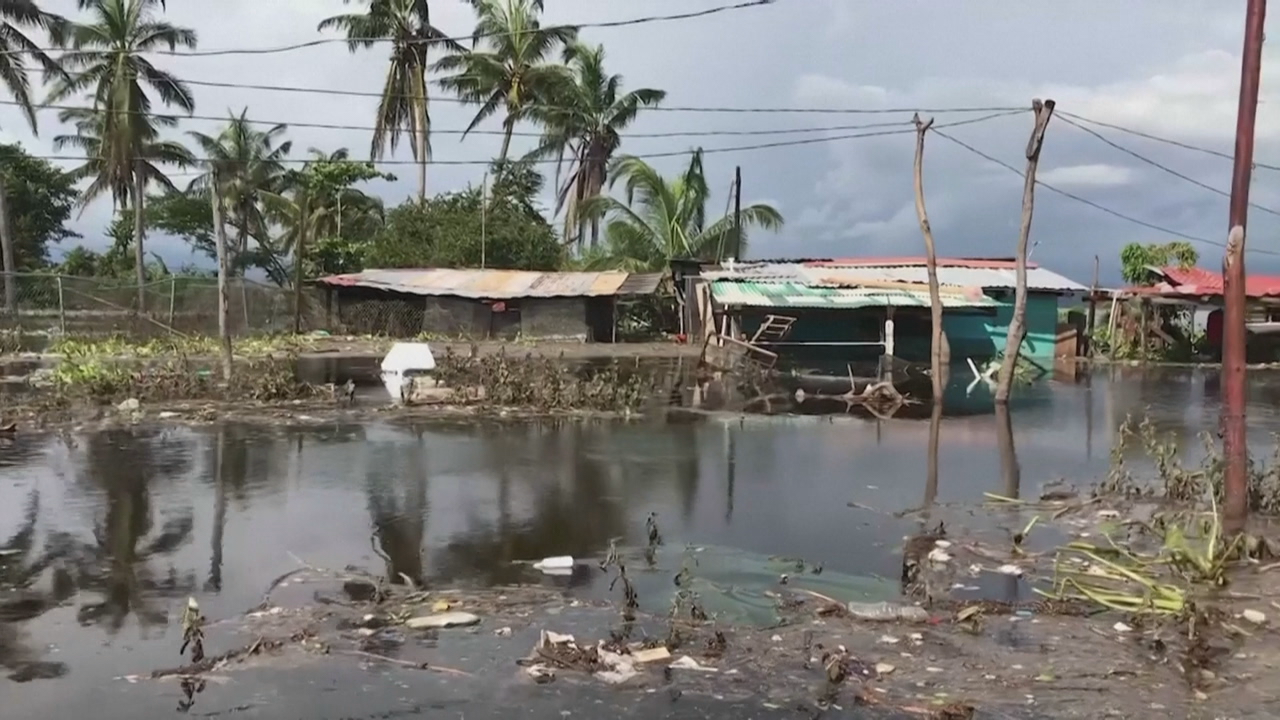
(983, 336)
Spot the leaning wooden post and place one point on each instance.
(936, 347)
(1017, 326)
(62, 309)
(173, 298)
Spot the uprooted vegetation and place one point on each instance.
(95, 380)
(546, 384)
(119, 346)
(1178, 482)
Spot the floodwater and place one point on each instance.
(142, 517)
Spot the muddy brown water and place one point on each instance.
(141, 517)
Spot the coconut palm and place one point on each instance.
(512, 74)
(148, 154)
(250, 163)
(584, 119)
(15, 48)
(663, 220)
(403, 106)
(106, 60)
(313, 204)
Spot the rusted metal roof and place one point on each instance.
(1198, 282)
(641, 284)
(492, 284)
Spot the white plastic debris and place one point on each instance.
(558, 565)
(684, 662)
(1013, 570)
(403, 363)
(657, 654)
(884, 668)
(887, 612)
(939, 556)
(553, 638)
(621, 668)
(442, 620)
(540, 673)
(1256, 617)
(1121, 628)
(944, 544)
(503, 632)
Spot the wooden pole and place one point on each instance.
(6, 251)
(173, 297)
(737, 213)
(1093, 311)
(931, 264)
(1017, 326)
(1235, 451)
(62, 309)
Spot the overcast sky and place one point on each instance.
(1168, 67)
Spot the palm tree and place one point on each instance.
(403, 106)
(15, 47)
(250, 164)
(584, 119)
(121, 180)
(662, 220)
(106, 60)
(313, 206)
(513, 73)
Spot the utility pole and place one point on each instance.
(484, 211)
(737, 212)
(1235, 450)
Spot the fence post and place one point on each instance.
(173, 294)
(62, 309)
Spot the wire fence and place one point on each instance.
(72, 305)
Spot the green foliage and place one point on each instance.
(1135, 258)
(41, 198)
(509, 70)
(447, 230)
(662, 220)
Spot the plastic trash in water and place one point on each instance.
(887, 612)
(557, 565)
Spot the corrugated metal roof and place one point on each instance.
(641, 284)
(760, 271)
(986, 277)
(488, 284)
(785, 294)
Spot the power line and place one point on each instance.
(1159, 166)
(646, 156)
(440, 131)
(1165, 140)
(460, 39)
(656, 108)
(1092, 204)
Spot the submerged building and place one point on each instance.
(482, 304)
(850, 309)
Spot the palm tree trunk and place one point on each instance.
(139, 231)
(508, 126)
(6, 250)
(421, 139)
(220, 240)
(300, 247)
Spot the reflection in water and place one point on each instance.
(398, 508)
(109, 541)
(125, 466)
